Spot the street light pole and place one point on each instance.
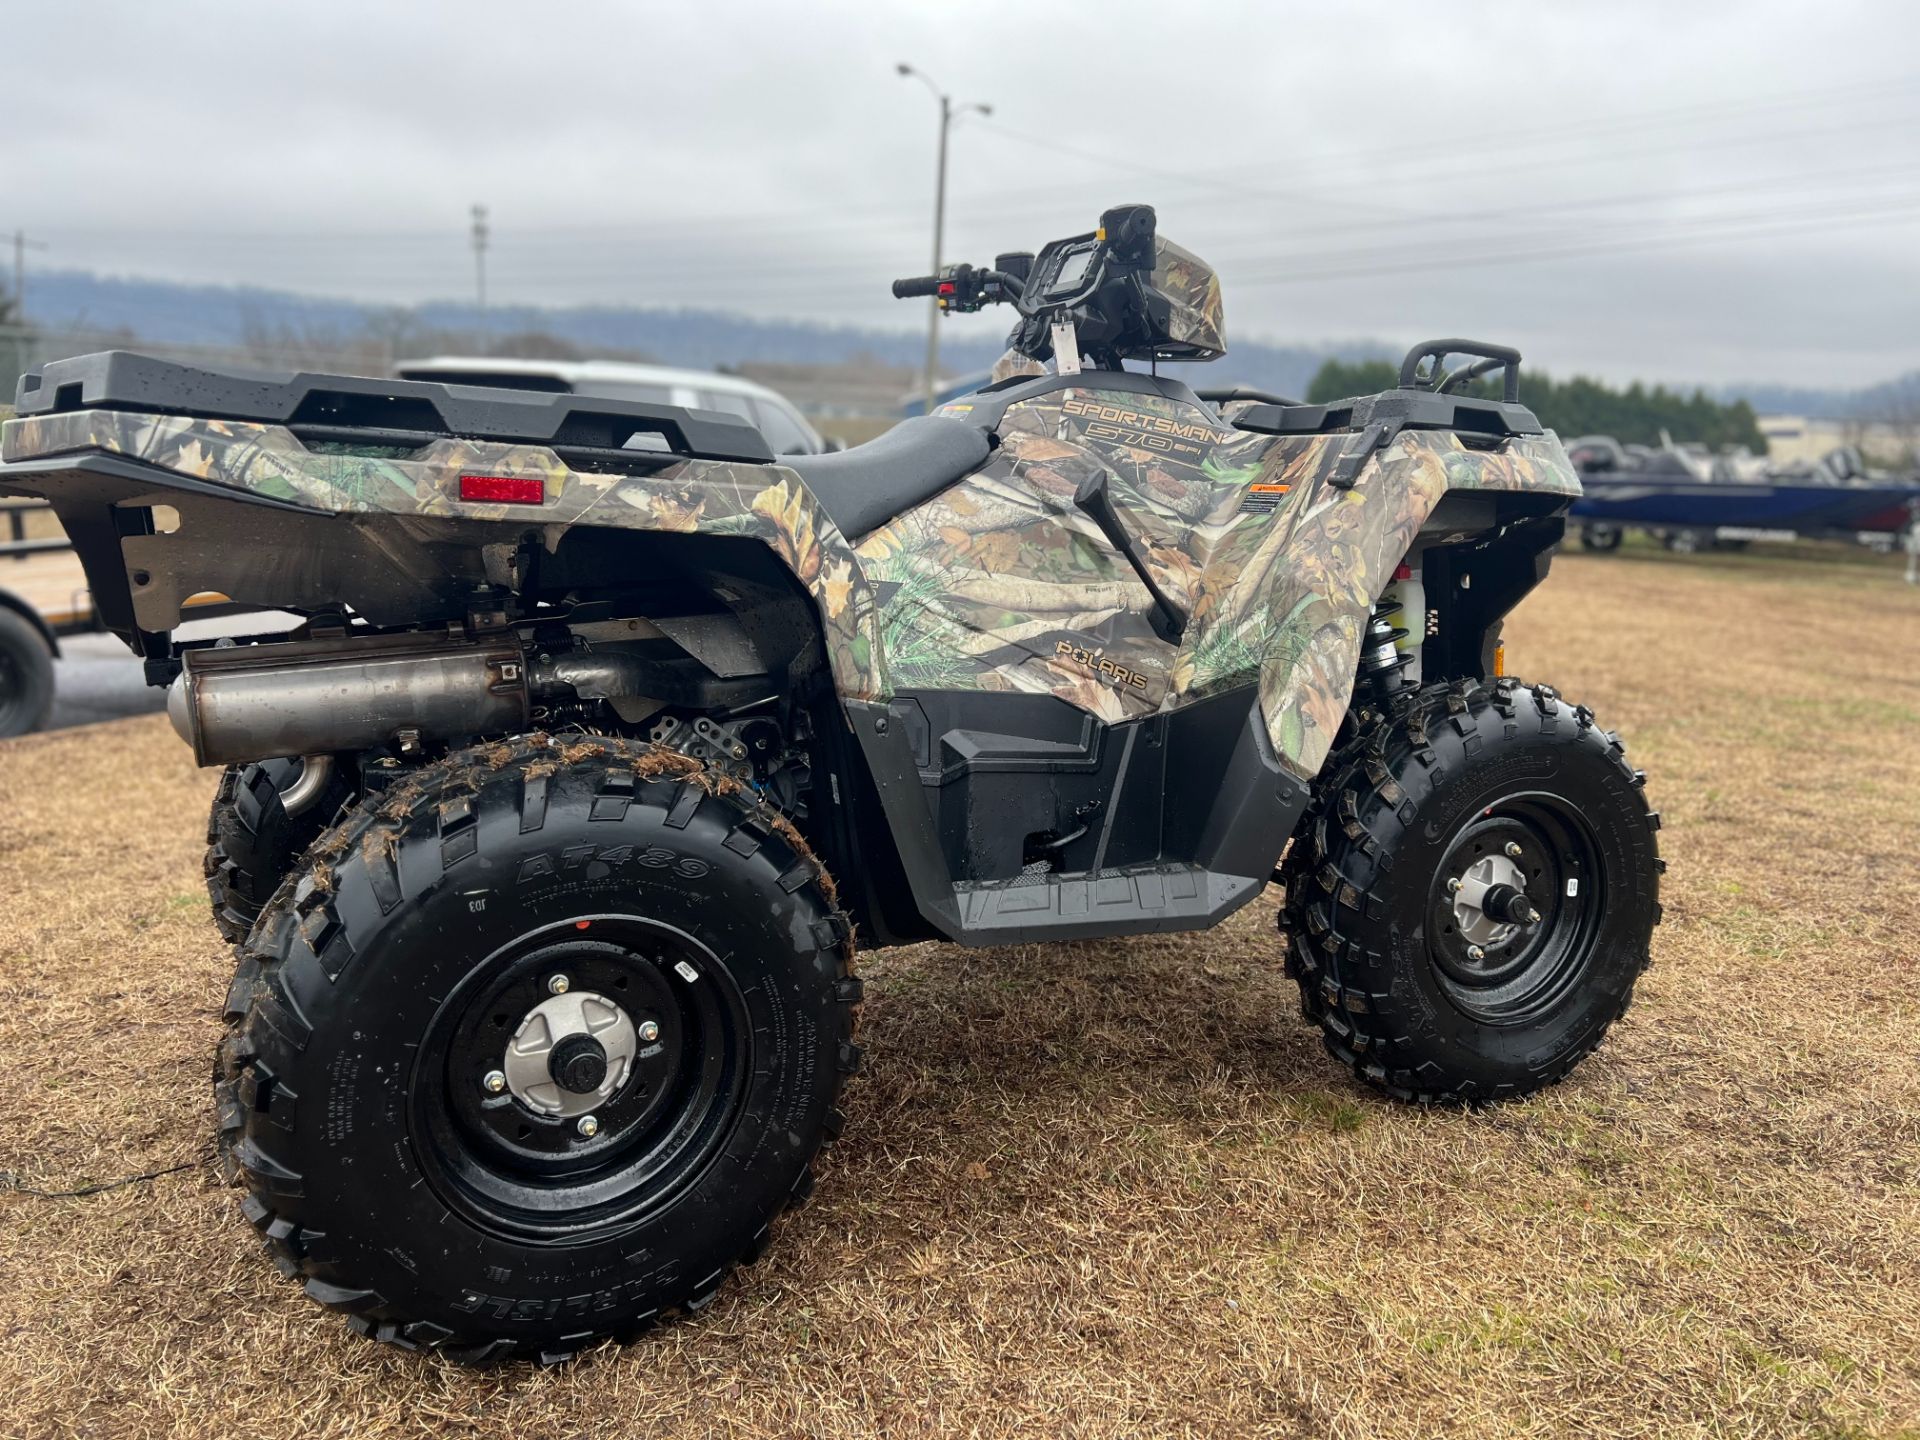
(939, 230)
(948, 114)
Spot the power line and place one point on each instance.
(1905, 213)
(1236, 179)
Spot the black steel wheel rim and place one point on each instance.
(1525, 976)
(519, 1172)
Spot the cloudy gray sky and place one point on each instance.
(1685, 190)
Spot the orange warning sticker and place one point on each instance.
(1262, 499)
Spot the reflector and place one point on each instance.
(507, 489)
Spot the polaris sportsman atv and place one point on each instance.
(602, 735)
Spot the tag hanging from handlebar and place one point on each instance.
(1066, 348)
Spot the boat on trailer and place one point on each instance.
(1691, 501)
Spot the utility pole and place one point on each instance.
(480, 259)
(949, 112)
(21, 244)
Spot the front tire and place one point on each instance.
(253, 838)
(1431, 837)
(537, 1049)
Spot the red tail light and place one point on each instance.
(502, 490)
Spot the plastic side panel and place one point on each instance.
(1238, 807)
(763, 502)
(1001, 583)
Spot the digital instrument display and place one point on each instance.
(1073, 271)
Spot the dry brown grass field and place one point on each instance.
(1115, 1188)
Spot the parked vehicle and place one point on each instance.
(568, 801)
(27, 653)
(1692, 501)
(786, 429)
(40, 602)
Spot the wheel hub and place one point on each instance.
(1485, 905)
(570, 1053)
(1513, 908)
(578, 1063)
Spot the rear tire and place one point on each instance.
(252, 841)
(1427, 1000)
(378, 1096)
(26, 675)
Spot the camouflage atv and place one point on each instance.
(601, 736)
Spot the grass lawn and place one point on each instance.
(1115, 1188)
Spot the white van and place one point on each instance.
(786, 429)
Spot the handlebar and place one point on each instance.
(961, 289)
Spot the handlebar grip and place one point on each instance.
(916, 285)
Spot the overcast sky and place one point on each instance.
(1683, 190)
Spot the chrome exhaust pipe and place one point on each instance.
(315, 771)
(321, 697)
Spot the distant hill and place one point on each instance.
(1891, 399)
(271, 321)
(310, 329)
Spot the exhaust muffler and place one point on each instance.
(320, 697)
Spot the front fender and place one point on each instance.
(1341, 551)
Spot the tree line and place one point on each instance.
(1633, 416)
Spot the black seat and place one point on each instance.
(867, 486)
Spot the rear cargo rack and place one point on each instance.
(362, 410)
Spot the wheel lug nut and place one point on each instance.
(1514, 852)
(588, 1126)
(1476, 952)
(558, 985)
(494, 1082)
(649, 1031)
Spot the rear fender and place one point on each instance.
(392, 525)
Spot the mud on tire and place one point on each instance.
(421, 938)
(1447, 781)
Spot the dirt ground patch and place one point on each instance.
(1115, 1188)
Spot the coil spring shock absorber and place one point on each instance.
(1382, 662)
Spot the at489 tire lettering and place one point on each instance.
(610, 858)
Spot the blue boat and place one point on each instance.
(1676, 497)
